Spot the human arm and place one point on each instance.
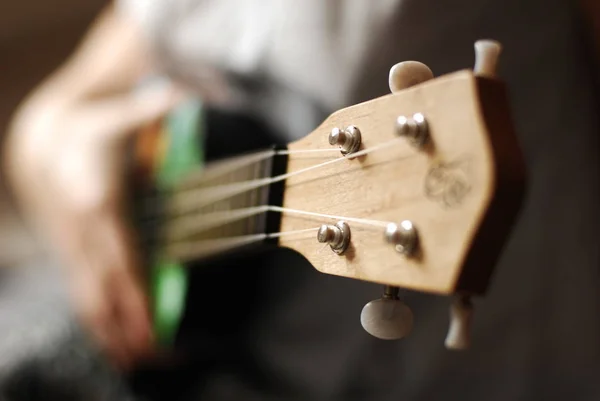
(63, 158)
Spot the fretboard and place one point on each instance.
(218, 208)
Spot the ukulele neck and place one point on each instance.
(219, 208)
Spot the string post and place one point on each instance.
(349, 139)
(403, 236)
(414, 128)
(337, 236)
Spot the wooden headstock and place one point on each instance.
(431, 185)
(461, 189)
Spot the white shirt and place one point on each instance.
(280, 58)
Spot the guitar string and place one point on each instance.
(193, 249)
(190, 249)
(197, 176)
(227, 243)
(182, 226)
(220, 168)
(224, 167)
(179, 229)
(292, 173)
(189, 199)
(303, 151)
(366, 222)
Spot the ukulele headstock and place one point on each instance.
(431, 180)
(416, 190)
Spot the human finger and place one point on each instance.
(127, 285)
(89, 281)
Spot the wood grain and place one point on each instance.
(445, 189)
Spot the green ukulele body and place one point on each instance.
(164, 152)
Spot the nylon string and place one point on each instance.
(196, 198)
(179, 229)
(189, 199)
(193, 249)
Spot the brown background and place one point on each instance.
(35, 36)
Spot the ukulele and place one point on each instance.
(417, 189)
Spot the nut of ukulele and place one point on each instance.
(387, 318)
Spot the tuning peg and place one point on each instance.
(408, 73)
(348, 139)
(459, 332)
(387, 318)
(487, 53)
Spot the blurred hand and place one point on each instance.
(66, 167)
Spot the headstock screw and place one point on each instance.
(404, 236)
(387, 318)
(337, 236)
(348, 140)
(459, 332)
(414, 128)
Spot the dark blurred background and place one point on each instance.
(35, 36)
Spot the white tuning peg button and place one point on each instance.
(387, 318)
(487, 53)
(408, 73)
(459, 332)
